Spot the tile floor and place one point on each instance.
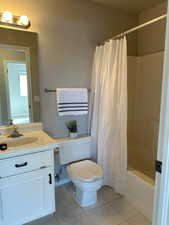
(111, 209)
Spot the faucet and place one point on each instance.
(15, 133)
(6, 123)
(10, 122)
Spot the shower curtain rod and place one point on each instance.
(138, 27)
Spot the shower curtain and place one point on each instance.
(109, 112)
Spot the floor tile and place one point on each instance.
(124, 223)
(80, 219)
(104, 215)
(69, 187)
(124, 207)
(111, 209)
(67, 212)
(64, 199)
(138, 219)
(47, 220)
(106, 194)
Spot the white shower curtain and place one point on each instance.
(109, 112)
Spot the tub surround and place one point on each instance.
(144, 111)
(140, 192)
(81, 139)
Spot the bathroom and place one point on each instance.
(58, 50)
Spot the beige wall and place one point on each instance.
(151, 39)
(68, 32)
(145, 80)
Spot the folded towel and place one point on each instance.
(72, 101)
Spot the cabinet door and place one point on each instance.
(26, 197)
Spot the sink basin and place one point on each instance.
(16, 142)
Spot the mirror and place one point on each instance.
(15, 88)
(19, 89)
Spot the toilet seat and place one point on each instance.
(85, 171)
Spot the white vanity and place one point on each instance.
(27, 187)
(27, 181)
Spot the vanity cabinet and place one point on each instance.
(29, 193)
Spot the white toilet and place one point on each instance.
(86, 175)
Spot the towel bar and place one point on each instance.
(52, 90)
(48, 90)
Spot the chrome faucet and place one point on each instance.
(10, 122)
(15, 133)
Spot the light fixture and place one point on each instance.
(8, 19)
(24, 20)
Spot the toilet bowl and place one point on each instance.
(87, 177)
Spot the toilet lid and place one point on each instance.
(85, 170)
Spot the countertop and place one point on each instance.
(44, 142)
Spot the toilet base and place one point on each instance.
(85, 198)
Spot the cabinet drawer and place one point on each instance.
(22, 164)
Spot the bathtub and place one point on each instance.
(140, 192)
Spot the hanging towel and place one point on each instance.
(72, 101)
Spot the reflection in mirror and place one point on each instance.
(15, 80)
(19, 86)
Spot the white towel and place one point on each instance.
(72, 101)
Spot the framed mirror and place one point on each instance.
(19, 86)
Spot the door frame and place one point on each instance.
(26, 50)
(161, 200)
(5, 62)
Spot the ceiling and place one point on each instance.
(130, 6)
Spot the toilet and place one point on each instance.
(87, 177)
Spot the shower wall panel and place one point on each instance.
(144, 96)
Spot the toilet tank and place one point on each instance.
(74, 149)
